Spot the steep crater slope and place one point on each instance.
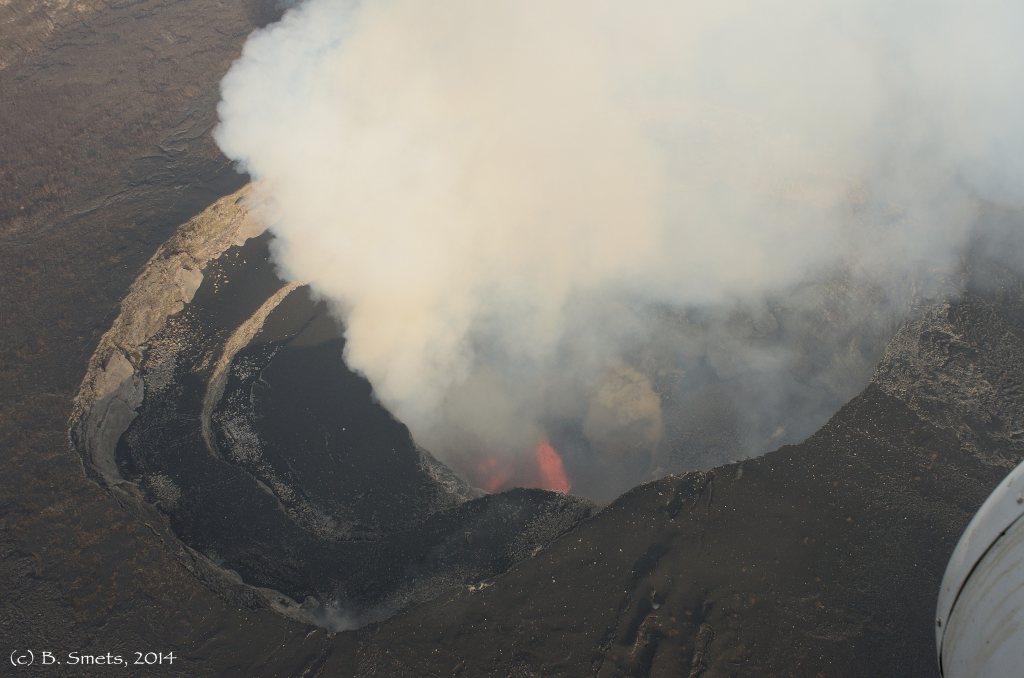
(818, 559)
(220, 404)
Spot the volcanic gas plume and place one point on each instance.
(625, 228)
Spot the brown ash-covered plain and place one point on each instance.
(820, 559)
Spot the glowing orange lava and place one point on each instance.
(544, 471)
(552, 474)
(495, 473)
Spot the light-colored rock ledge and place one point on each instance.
(112, 389)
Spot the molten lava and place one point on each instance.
(495, 474)
(552, 474)
(544, 471)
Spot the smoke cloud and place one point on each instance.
(659, 236)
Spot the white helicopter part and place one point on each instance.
(979, 625)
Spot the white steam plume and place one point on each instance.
(494, 194)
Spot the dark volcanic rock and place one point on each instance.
(304, 483)
(93, 99)
(822, 558)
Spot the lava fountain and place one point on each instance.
(544, 471)
(552, 473)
